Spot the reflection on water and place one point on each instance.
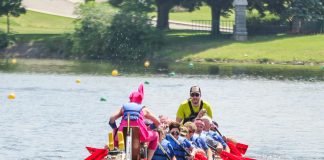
(53, 117)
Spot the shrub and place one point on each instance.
(127, 35)
(132, 38)
(270, 24)
(59, 46)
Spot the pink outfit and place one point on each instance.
(145, 135)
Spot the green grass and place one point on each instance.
(275, 48)
(38, 23)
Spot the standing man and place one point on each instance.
(194, 107)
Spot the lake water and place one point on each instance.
(53, 117)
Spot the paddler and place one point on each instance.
(138, 113)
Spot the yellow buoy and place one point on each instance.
(78, 81)
(11, 96)
(114, 72)
(146, 64)
(14, 61)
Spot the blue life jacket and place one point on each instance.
(159, 155)
(217, 138)
(178, 151)
(133, 109)
(199, 142)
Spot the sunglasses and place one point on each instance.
(175, 133)
(194, 94)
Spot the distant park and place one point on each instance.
(104, 32)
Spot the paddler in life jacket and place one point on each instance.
(137, 114)
(175, 139)
(194, 107)
(165, 150)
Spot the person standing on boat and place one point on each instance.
(137, 113)
(194, 107)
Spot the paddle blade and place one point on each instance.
(90, 149)
(96, 154)
(233, 149)
(200, 156)
(228, 156)
(242, 147)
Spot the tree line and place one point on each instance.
(126, 33)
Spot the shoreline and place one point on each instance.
(227, 70)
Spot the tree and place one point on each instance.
(312, 10)
(224, 8)
(274, 6)
(218, 8)
(11, 8)
(163, 8)
(307, 15)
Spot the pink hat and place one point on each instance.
(137, 96)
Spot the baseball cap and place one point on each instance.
(195, 89)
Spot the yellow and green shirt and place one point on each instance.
(184, 109)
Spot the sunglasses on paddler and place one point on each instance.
(194, 94)
(175, 133)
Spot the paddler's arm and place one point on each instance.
(179, 120)
(150, 116)
(209, 154)
(115, 116)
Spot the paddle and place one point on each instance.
(96, 153)
(165, 153)
(128, 140)
(178, 143)
(228, 156)
(236, 153)
(237, 149)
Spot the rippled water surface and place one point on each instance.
(53, 117)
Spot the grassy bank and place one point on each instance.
(258, 49)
